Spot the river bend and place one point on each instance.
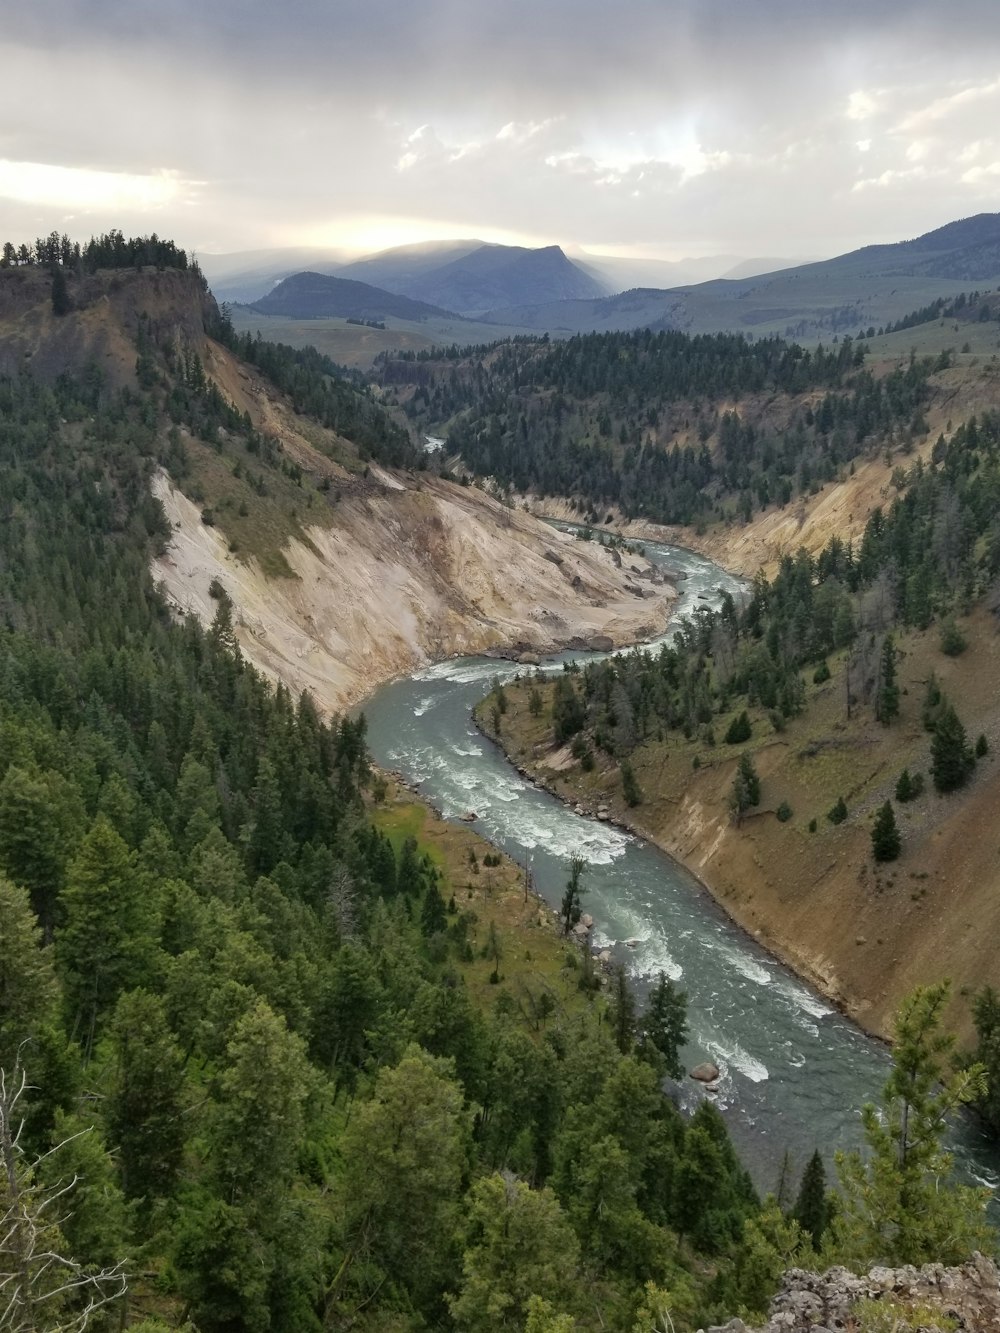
(794, 1070)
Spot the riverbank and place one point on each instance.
(608, 808)
(805, 888)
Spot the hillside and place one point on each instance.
(784, 870)
(844, 295)
(108, 312)
(209, 910)
(321, 296)
(663, 426)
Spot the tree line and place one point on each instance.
(107, 251)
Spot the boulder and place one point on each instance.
(600, 643)
(705, 1073)
(469, 817)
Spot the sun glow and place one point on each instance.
(363, 234)
(84, 189)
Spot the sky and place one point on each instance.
(665, 128)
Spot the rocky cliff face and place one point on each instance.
(101, 327)
(886, 1300)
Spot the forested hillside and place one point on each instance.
(661, 425)
(245, 1085)
(825, 751)
(238, 1011)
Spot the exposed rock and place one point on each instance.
(601, 643)
(815, 1302)
(587, 920)
(469, 817)
(705, 1073)
(554, 556)
(529, 659)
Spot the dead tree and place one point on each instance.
(40, 1286)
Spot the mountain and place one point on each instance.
(396, 268)
(498, 277)
(322, 296)
(845, 295)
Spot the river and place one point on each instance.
(794, 1071)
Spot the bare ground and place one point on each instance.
(421, 571)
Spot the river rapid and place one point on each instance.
(794, 1071)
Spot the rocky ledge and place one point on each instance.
(967, 1298)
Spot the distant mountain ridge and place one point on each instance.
(845, 295)
(497, 277)
(323, 296)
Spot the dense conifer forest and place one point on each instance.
(626, 419)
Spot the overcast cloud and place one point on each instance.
(661, 127)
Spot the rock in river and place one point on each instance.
(706, 1073)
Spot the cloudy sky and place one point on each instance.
(660, 127)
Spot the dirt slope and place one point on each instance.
(420, 571)
(864, 934)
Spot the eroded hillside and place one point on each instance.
(411, 570)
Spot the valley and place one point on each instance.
(231, 572)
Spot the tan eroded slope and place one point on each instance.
(419, 571)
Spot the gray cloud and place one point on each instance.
(775, 127)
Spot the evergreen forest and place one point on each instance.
(645, 421)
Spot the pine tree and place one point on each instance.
(886, 843)
(28, 991)
(630, 786)
(986, 1011)
(887, 697)
(519, 1245)
(61, 303)
(900, 1205)
(621, 1007)
(145, 1107)
(664, 1026)
(812, 1207)
(571, 908)
(739, 729)
(746, 787)
(951, 758)
(106, 931)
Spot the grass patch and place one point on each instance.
(256, 507)
(535, 978)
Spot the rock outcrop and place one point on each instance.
(915, 1300)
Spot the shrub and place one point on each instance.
(953, 641)
(739, 730)
(982, 745)
(885, 835)
(784, 812)
(837, 813)
(822, 673)
(812, 826)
